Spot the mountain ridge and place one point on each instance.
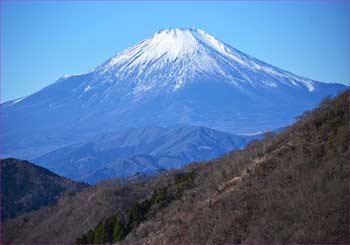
(147, 150)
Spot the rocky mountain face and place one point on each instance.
(26, 187)
(288, 188)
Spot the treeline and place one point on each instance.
(119, 225)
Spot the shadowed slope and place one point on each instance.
(27, 187)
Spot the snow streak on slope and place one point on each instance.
(173, 57)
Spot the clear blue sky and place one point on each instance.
(41, 41)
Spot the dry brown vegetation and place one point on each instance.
(288, 188)
(74, 215)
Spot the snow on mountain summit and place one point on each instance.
(181, 52)
(174, 57)
(173, 43)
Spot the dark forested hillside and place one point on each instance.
(26, 187)
(292, 187)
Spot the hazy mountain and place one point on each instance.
(27, 187)
(177, 76)
(147, 150)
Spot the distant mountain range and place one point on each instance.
(145, 150)
(176, 78)
(26, 187)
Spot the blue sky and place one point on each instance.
(41, 41)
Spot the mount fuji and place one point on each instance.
(176, 77)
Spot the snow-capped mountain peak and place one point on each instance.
(187, 50)
(173, 43)
(172, 58)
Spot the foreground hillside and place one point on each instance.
(74, 215)
(289, 188)
(26, 187)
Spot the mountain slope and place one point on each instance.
(176, 77)
(289, 188)
(74, 215)
(27, 187)
(146, 150)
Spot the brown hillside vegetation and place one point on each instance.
(75, 214)
(288, 188)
